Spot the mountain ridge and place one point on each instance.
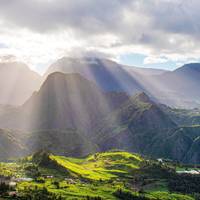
(22, 83)
(106, 119)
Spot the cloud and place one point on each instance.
(46, 29)
(153, 60)
(87, 16)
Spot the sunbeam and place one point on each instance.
(99, 100)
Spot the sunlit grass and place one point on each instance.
(101, 166)
(98, 175)
(82, 170)
(11, 169)
(169, 196)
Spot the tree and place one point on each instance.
(4, 188)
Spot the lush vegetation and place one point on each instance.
(108, 175)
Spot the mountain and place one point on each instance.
(189, 69)
(144, 71)
(63, 101)
(106, 74)
(71, 115)
(179, 88)
(134, 125)
(183, 117)
(17, 83)
(69, 101)
(69, 142)
(10, 145)
(140, 125)
(181, 144)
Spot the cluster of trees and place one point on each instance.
(38, 194)
(42, 159)
(4, 188)
(185, 183)
(32, 171)
(93, 198)
(157, 170)
(149, 172)
(126, 195)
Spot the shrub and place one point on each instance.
(126, 195)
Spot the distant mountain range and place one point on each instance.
(178, 88)
(181, 86)
(17, 83)
(106, 74)
(71, 115)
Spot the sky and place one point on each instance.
(145, 33)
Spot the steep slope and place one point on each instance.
(142, 126)
(183, 117)
(63, 101)
(181, 144)
(17, 83)
(68, 142)
(10, 146)
(68, 101)
(134, 125)
(193, 155)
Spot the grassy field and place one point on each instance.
(96, 176)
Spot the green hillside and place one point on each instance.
(107, 175)
(101, 166)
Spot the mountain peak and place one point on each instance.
(60, 79)
(87, 60)
(61, 74)
(142, 97)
